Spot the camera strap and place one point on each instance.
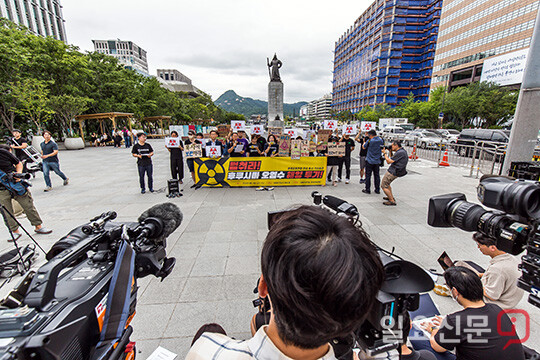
(119, 298)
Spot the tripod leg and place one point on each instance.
(3, 211)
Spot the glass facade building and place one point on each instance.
(387, 54)
(127, 52)
(42, 17)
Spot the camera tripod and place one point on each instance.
(5, 213)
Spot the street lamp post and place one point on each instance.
(526, 120)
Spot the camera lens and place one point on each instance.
(465, 215)
(514, 197)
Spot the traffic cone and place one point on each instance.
(444, 161)
(413, 155)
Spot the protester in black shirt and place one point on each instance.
(18, 144)
(191, 162)
(272, 147)
(478, 332)
(363, 153)
(253, 148)
(8, 164)
(406, 352)
(177, 159)
(346, 160)
(398, 168)
(262, 142)
(117, 139)
(144, 152)
(235, 147)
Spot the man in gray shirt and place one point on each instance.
(398, 168)
(501, 277)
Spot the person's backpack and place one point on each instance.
(15, 188)
(11, 263)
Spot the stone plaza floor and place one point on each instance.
(219, 242)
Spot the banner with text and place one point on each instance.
(276, 171)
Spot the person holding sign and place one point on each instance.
(361, 138)
(346, 160)
(253, 148)
(235, 147)
(332, 161)
(144, 152)
(190, 162)
(175, 147)
(272, 147)
(214, 142)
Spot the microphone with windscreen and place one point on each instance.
(160, 221)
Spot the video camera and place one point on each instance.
(79, 305)
(515, 226)
(21, 177)
(400, 292)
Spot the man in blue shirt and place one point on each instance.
(49, 154)
(373, 161)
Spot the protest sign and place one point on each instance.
(213, 151)
(368, 125)
(296, 149)
(238, 125)
(223, 130)
(257, 129)
(322, 139)
(330, 124)
(305, 148)
(336, 149)
(291, 133)
(312, 146)
(277, 131)
(284, 145)
(172, 142)
(193, 151)
(349, 129)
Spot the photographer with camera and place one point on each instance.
(398, 168)
(480, 330)
(321, 275)
(10, 164)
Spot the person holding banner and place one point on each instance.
(235, 147)
(373, 159)
(272, 147)
(349, 147)
(242, 139)
(190, 162)
(177, 158)
(253, 148)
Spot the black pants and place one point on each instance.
(375, 169)
(148, 170)
(177, 168)
(347, 162)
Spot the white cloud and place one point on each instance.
(223, 45)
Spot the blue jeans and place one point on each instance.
(148, 170)
(375, 170)
(54, 166)
(127, 141)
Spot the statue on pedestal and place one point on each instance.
(275, 65)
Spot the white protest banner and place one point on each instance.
(368, 125)
(193, 151)
(172, 142)
(330, 124)
(257, 129)
(213, 151)
(336, 149)
(238, 125)
(349, 129)
(291, 133)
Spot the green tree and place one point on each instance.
(32, 101)
(67, 107)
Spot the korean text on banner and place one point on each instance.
(172, 142)
(238, 125)
(336, 149)
(193, 151)
(233, 172)
(349, 129)
(330, 124)
(368, 125)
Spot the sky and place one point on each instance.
(223, 44)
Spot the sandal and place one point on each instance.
(389, 203)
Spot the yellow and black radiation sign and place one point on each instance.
(211, 172)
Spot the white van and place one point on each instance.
(393, 132)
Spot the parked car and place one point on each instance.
(393, 133)
(424, 139)
(488, 138)
(449, 134)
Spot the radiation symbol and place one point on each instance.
(211, 172)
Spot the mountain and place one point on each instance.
(231, 101)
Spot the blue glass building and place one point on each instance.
(387, 54)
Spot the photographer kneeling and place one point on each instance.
(9, 164)
(321, 275)
(398, 168)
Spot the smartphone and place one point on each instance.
(445, 261)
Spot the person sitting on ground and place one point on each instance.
(398, 168)
(316, 293)
(501, 277)
(479, 331)
(406, 352)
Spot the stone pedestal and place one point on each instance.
(275, 103)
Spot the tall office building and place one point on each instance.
(42, 17)
(174, 80)
(473, 30)
(128, 53)
(387, 54)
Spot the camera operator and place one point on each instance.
(501, 277)
(476, 331)
(321, 275)
(8, 164)
(398, 168)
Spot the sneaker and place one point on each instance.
(362, 181)
(151, 190)
(366, 191)
(347, 181)
(143, 191)
(66, 181)
(48, 188)
(43, 230)
(377, 191)
(260, 188)
(269, 188)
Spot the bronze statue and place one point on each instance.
(275, 64)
